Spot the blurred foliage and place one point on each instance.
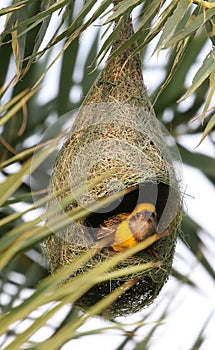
(41, 38)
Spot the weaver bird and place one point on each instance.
(124, 230)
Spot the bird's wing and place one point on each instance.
(106, 236)
(122, 216)
(114, 221)
(107, 231)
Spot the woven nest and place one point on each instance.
(116, 132)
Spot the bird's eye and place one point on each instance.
(138, 215)
(153, 215)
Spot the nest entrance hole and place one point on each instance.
(150, 192)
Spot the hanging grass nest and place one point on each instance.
(116, 133)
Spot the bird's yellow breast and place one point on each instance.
(124, 238)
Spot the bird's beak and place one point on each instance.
(148, 214)
(150, 217)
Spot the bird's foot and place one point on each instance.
(151, 250)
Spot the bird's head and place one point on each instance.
(143, 220)
(144, 211)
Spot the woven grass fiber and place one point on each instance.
(116, 132)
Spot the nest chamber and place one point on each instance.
(116, 132)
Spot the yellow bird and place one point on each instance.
(124, 230)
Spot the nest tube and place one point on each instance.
(116, 132)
